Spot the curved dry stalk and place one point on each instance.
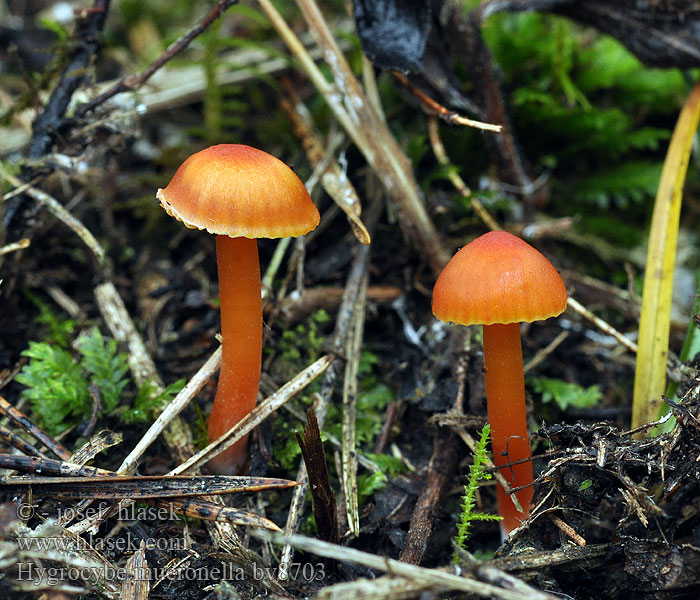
(61, 213)
(134, 82)
(602, 325)
(440, 111)
(333, 176)
(20, 245)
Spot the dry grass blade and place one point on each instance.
(112, 487)
(533, 564)
(349, 453)
(333, 179)
(21, 245)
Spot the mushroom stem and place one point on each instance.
(241, 331)
(505, 397)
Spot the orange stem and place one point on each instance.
(505, 397)
(241, 331)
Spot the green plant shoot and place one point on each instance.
(476, 475)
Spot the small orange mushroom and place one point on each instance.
(238, 193)
(497, 281)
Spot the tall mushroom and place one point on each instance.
(238, 193)
(497, 281)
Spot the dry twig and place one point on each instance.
(437, 109)
(20, 419)
(133, 82)
(441, 471)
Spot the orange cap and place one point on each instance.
(239, 191)
(498, 278)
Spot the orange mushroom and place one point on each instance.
(497, 281)
(238, 193)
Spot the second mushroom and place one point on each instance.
(497, 281)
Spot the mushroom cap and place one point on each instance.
(239, 191)
(498, 278)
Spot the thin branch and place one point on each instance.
(256, 416)
(435, 108)
(579, 308)
(543, 353)
(133, 82)
(20, 245)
